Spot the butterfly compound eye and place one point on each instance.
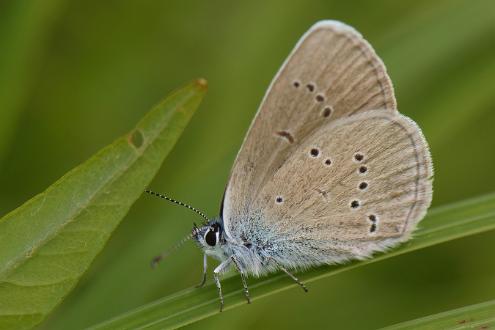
(211, 238)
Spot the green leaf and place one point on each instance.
(48, 243)
(479, 316)
(441, 225)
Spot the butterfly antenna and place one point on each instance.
(167, 252)
(179, 203)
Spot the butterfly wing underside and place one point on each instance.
(332, 73)
(354, 186)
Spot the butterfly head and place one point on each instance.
(209, 236)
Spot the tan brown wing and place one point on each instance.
(332, 73)
(366, 178)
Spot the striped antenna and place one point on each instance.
(179, 203)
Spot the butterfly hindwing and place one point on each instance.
(366, 178)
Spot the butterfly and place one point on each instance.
(329, 171)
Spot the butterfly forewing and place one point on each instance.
(332, 73)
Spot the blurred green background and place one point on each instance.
(76, 74)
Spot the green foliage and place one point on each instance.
(48, 243)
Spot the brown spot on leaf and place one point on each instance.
(136, 139)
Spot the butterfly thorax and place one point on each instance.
(244, 247)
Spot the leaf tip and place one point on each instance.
(201, 83)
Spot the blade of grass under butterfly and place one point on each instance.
(48, 243)
(479, 316)
(441, 225)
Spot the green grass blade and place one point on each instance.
(48, 243)
(441, 225)
(479, 316)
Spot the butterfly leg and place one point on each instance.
(216, 273)
(243, 278)
(294, 278)
(289, 274)
(205, 267)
